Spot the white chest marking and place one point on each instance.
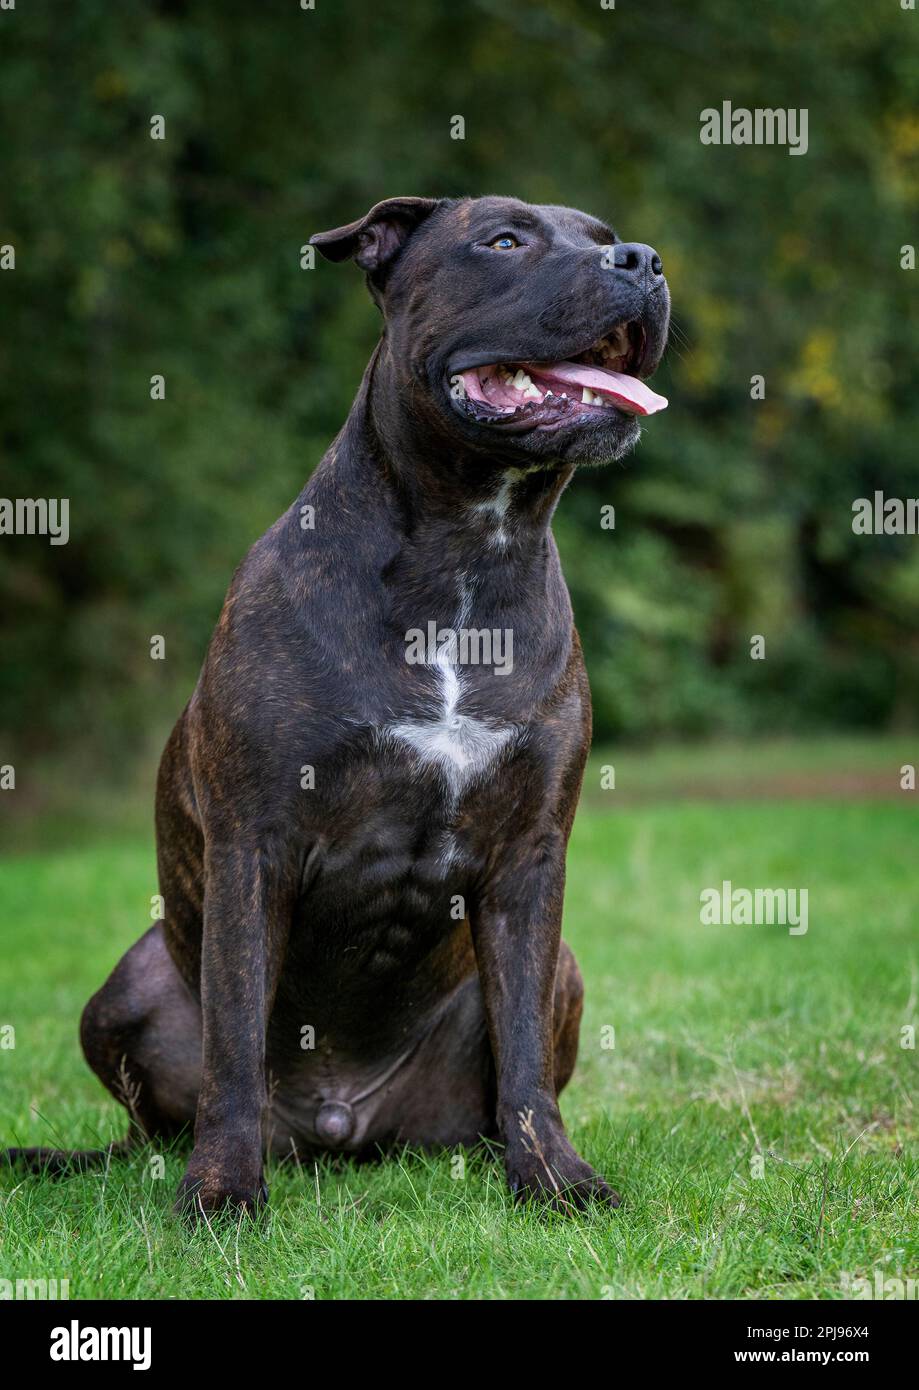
(499, 505)
(461, 746)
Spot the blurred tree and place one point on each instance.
(180, 257)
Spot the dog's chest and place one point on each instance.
(451, 721)
(439, 736)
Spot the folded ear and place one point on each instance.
(373, 240)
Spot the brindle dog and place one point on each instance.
(362, 857)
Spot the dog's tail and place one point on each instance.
(58, 1163)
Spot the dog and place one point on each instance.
(362, 854)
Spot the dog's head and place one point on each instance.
(526, 330)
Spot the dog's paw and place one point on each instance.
(565, 1187)
(205, 1191)
(542, 1167)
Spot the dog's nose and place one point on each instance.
(637, 259)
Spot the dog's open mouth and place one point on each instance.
(603, 378)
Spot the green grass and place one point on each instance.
(730, 1041)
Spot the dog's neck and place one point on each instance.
(429, 524)
(457, 504)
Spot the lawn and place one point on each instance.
(756, 1112)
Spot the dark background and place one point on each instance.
(181, 257)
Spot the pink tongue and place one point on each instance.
(628, 392)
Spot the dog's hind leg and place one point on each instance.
(141, 1034)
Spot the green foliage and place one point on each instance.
(181, 257)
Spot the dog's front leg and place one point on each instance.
(516, 929)
(247, 906)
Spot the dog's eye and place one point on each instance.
(504, 243)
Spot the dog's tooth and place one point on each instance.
(522, 381)
(587, 396)
(533, 392)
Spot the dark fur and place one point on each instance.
(331, 907)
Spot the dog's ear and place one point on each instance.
(375, 239)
